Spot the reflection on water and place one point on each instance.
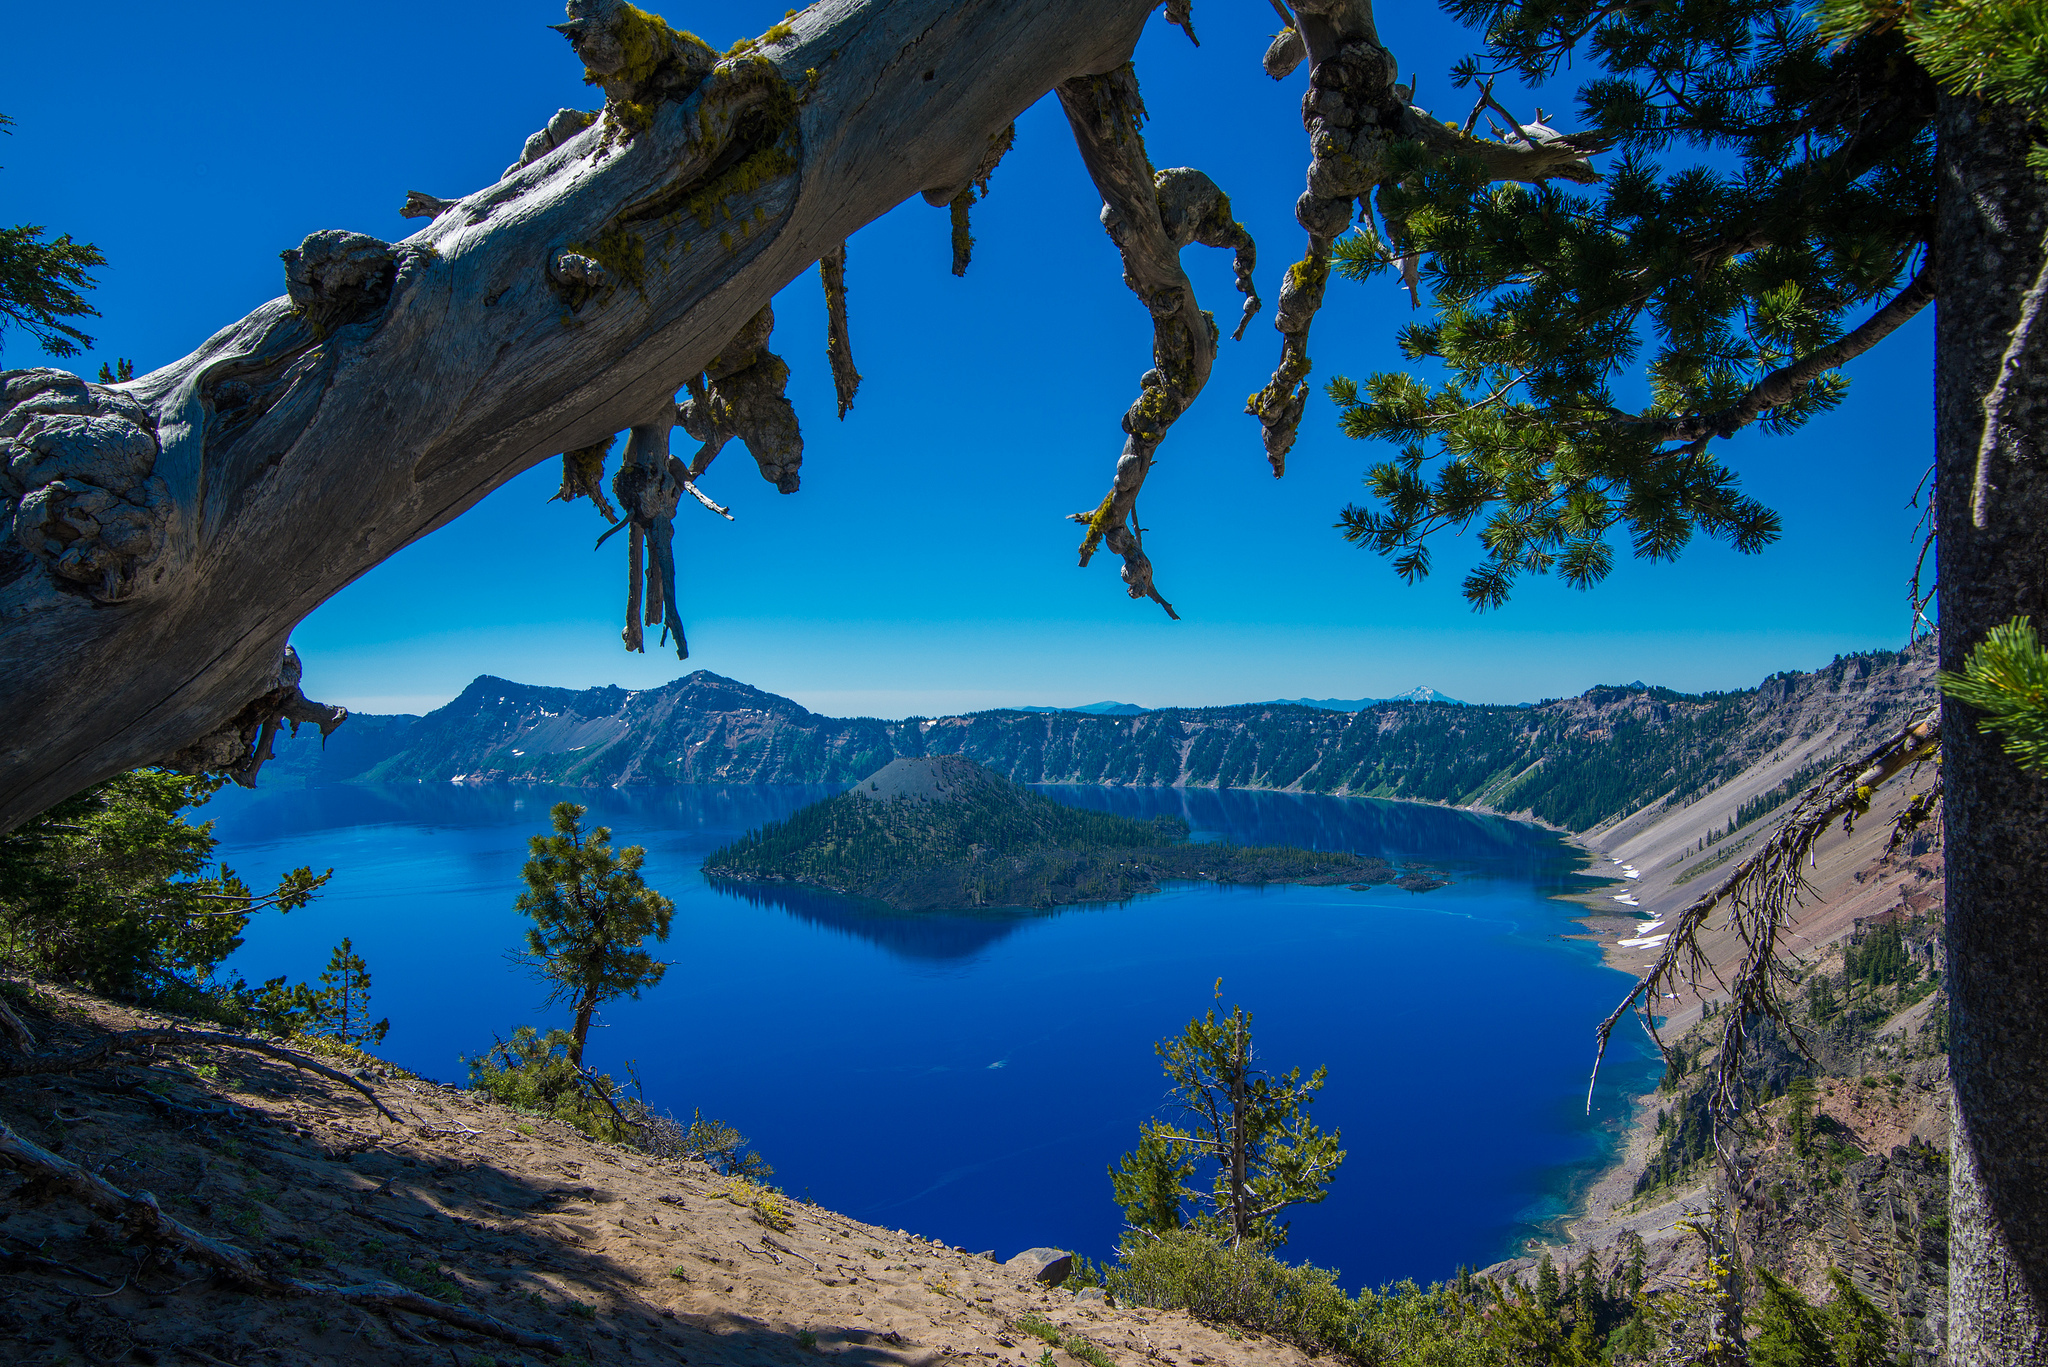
(724, 810)
(1401, 832)
(970, 1076)
(935, 936)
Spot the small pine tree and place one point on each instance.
(591, 912)
(1586, 1301)
(1148, 1182)
(1253, 1126)
(1820, 999)
(343, 999)
(1548, 1287)
(1784, 1330)
(1801, 1095)
(1858, 1331)
(1638, 1260)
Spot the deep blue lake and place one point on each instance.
(971, 1077)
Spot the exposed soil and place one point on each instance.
(626, 1258)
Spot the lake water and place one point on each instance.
(971, 1077)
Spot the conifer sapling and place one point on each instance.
(591, 912)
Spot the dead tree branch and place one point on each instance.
(838, 344)
(1151, 217)
(1761, 894)
(392, 385)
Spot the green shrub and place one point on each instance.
(713, 1142)
(533, 1072)
(1039, 1327)
(1246, 1287)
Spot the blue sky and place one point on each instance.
(926, 566)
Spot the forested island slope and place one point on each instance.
(943, 833)
(1574, 762)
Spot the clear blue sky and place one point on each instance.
(925, 567)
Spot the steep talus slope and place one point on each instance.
(1575, 763)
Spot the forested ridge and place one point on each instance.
(1573, 762)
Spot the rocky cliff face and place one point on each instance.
(1573, 762)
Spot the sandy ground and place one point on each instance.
(627, 1259)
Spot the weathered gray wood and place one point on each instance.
(1993, 549)
(397, 384)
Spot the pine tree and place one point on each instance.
(1638, 1259)
(1253, 1126)
(111, 889)
(1857, 1330)
(343, 999)
(591, 913)
(1586, 1299)
(1829, 174)
(42, 283)
(1784, 1330)
(1549, 1290)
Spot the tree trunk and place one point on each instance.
(1240, 1203)
(1994, 565)
(160, 539)
(585, 1005)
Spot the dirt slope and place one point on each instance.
(627, 1259)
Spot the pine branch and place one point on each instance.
(1783, 385)
(2006, 679)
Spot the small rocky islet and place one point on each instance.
(942, 833)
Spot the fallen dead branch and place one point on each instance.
(146, 1222)
(433, 1131)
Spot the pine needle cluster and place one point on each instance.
(1594, 349)
(2006, 679)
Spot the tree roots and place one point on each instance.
(1354, 115)
(242, 747)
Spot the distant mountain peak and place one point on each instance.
(1099, 709)
(1421, 693)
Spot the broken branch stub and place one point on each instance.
(960, 199)
(838, 343)
(648, 491)
(1150, 217)
(583, 476)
